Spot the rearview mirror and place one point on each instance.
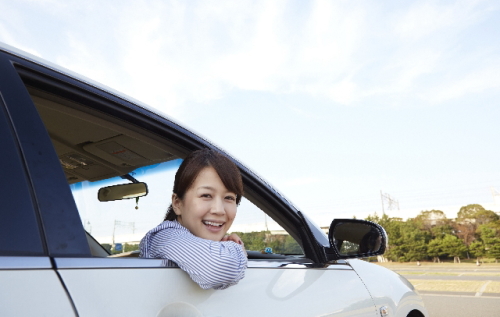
(352, 238)
(124, 191)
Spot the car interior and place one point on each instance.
(93, 146)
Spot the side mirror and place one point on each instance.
(124, 191)
(353, 238)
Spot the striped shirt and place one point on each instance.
(211, 264)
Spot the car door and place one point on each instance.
(29, 286)
(100, 285)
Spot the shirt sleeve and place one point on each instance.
(211, 264)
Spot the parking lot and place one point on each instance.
(455, 289)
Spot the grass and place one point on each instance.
(456, 286)
(442, 264)
(493, 287)
(451, 273)
(448, 285)
(433, 271)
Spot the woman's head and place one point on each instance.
(207, 189)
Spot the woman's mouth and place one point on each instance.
(213, 226)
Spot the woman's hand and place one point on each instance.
(234, 237)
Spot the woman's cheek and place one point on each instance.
(232, 214)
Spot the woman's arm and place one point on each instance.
(211, 264)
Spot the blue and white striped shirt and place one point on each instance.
(211, 264)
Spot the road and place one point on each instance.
(462, 305)
(459, 290)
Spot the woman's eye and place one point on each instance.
(231, 198)
(206, 195)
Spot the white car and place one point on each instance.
(69, 234)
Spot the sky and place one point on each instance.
(332, 102)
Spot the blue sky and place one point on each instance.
(330, 101)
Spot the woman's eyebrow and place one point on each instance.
(206, 187)
(213, 189)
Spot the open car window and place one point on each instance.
(118, 226)
(97, 150)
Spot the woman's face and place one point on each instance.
(208, 208)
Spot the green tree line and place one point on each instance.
(255, 241)
(475, 233)
(260, 240)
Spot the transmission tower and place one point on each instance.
(388, 201)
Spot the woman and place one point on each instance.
(207, 190)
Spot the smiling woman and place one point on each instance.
(208, 207)
(207, 190)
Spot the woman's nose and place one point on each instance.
(217, 206)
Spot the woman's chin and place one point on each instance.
(214, 236)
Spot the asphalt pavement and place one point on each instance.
(459, 290)
(440, 305)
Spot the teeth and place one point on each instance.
(215, 224)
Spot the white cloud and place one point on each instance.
(81, 57)
(427, 17)
(253, 50)
(475, 82)
(12, 30)
(345, 92)
(169, 53)
(8, 38)
(399, 76)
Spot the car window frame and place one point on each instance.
(51, 196)
(23, 232)
(263, 195)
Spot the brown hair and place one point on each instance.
(192, 166)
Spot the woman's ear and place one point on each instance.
(176, 204)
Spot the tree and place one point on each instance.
(468, 213)
(281, 244)
(406, 241)
(453, 247)
(477, 249)
(431, 218)
(434, 223)
(435, 250)
(490, 236)
(476, 214)
(469, 218)
(442, 230)
(485, 216)
(253, 240)
(448, 246)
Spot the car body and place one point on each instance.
(65, 137)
